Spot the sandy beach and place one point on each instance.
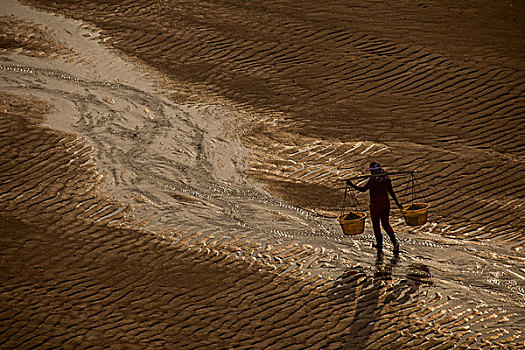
(171, 173)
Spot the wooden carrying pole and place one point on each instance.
(372, 175)
(381, 174)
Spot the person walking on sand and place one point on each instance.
(380, 186)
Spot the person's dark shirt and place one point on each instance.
(380, 187)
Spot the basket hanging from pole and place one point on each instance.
(415, 213)
(352, 222)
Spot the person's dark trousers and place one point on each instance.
(380, 214)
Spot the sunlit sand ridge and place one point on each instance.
(173, 244)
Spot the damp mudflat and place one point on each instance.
(172, 174)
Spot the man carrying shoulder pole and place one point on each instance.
(380, 187)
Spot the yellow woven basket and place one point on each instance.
(415, 214)
(354, 226)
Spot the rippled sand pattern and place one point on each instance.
(75, 273)
(29, 39)
(448, 103)
(78, 269)
(93, 280)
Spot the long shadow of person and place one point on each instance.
(355, 286)
(371, 294)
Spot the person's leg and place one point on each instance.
(375, 216)
(385, 222)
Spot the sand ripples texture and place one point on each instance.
(325, 97)
(77, 273)
(447, 103)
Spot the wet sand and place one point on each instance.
(414, 82)
(76, 273)
(183, 195)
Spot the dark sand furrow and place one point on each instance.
(355, 74)
(463, 98)
(415, 87)
(133, 37)
(482, 185)
(405, 82)
(513, 143)
(51, 201)
(107, 215)
(313, 155)
(482, 92)
(384, 84)
(439, 85)
(345, 39)
(44, 178)
(222, 55)
(315, 36)
(488, 187)
(494, 135)
(331, 38)
(153, 40)
(61, 204)
(471, 85)
(251, 60)
(155, 46)
(484, 217)
(166, 49)
(490, 120)
(276, 299)
(488, 233)
(485, 137)
(411, 52)
(456, 89)
(143, 10)
(200, 53)
(96, 205)
(343, 71)
(379, 69)
(494, 227)
(484, 105)
(400, 50)
(36, 175)
(383, 50)
(116, 216)
(424, 55)
(371, 43)
(171, 49)
(390, 72)
(512, 114)
(480, 106)
(246, 61)
(400, 70)
(127, 8)
(26, 163)
(492, 143)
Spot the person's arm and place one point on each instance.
(359, 188)
(393, 194)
